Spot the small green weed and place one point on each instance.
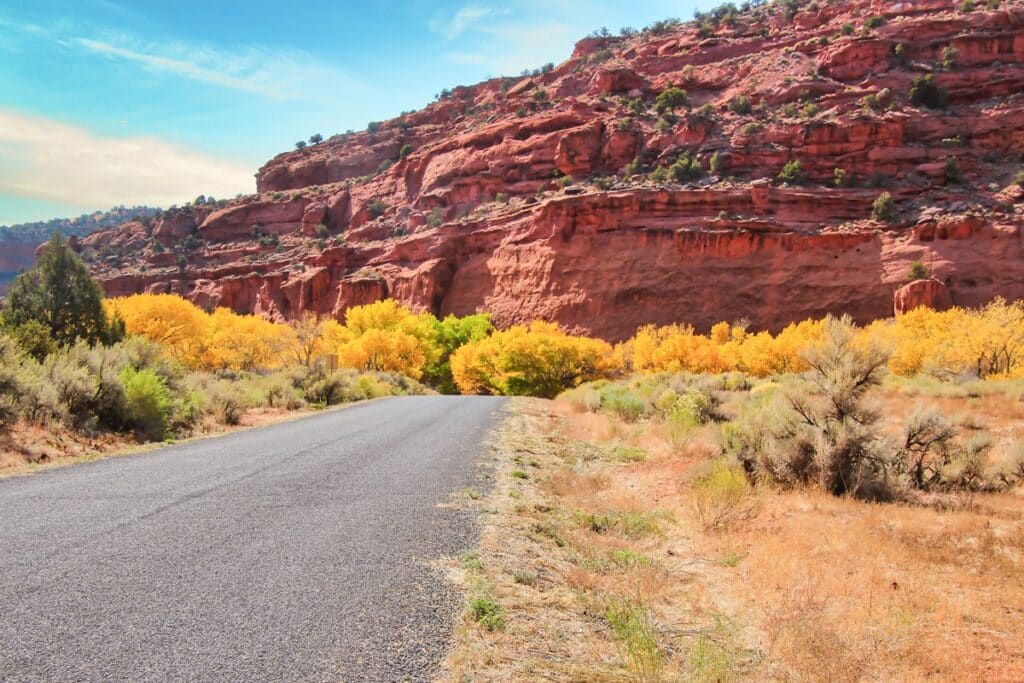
(627, 559)
(635, 631)
(471, 560)
(487, 612)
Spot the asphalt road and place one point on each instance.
(298, 552)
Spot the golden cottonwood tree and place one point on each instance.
(167, 319)
(536, 360)
(385, 336)
(244, 342)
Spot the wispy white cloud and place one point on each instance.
(269, 72)
(451, 27)
(29, 30)
(528, 45)
(523, 34)
(44, 159)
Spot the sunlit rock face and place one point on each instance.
(532, 196)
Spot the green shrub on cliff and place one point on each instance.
(740, 105)
(924, 91)
(792, 172)
(671, 99)
(687, 167)
(377, 208)
(884, 208)
(918, 271)
(953, 173)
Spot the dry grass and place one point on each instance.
(850, 591)
(613, 569)
(30, 448)
(596, 576)
(1000, 414)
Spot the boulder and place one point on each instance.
(928, 292)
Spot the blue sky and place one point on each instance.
(108, 102)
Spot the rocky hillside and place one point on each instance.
(18, 243)
(818, 149)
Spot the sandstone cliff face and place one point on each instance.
(532, 197)
(15, 256)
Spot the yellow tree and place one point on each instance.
(244, 342)
(384, 336)
(385, 351)
(924, 340)
(538, 360)
(993, 337)
(638, 352)
(682, 350)
(166, 319)
(305, 338)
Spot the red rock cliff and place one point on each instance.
(562, 195)
(15, 256)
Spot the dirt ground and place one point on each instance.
(601, 561)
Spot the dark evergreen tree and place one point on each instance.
(60, 298)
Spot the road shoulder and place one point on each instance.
(68, 448)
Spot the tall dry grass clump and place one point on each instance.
(823, 429)
(819, 429)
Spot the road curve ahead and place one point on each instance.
(298, 552)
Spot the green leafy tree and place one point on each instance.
(61, 298)
(34, 339)
(670, 100)
(10, 360)
(451, 333)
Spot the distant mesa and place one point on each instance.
(18, 243)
